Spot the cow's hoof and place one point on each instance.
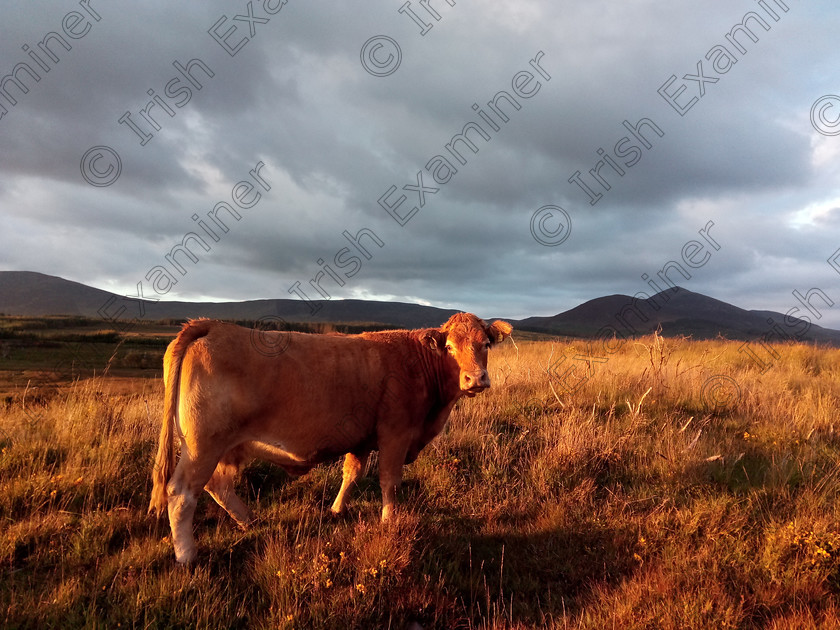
(185, 558)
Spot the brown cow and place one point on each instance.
(299, 399)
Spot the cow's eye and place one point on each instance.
(450, 348)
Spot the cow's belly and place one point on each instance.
(312, 435)
(275, 454)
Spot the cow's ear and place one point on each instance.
(434, 339)
(498, 331)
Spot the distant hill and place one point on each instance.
(678, 312)
(36, 294)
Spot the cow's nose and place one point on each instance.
(476, 380)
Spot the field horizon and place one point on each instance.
(669, 483)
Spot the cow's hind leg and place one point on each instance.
(353, 466)
(221, 488)
(190, 475)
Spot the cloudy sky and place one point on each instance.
(221, 150)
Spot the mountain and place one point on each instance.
(678, 312)
(35, 294)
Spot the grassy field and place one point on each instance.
(670, 484)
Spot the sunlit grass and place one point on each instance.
(635, 494)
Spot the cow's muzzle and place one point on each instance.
(474, 382)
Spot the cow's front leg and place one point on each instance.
(391, 461)
(353, 467)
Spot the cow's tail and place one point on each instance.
(165, 460)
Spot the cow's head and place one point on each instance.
(466, 339)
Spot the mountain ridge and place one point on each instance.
(32, 293)
(676, 311)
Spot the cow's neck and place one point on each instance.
(441, 378)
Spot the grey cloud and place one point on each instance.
(334, 139)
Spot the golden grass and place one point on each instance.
(673, 485)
